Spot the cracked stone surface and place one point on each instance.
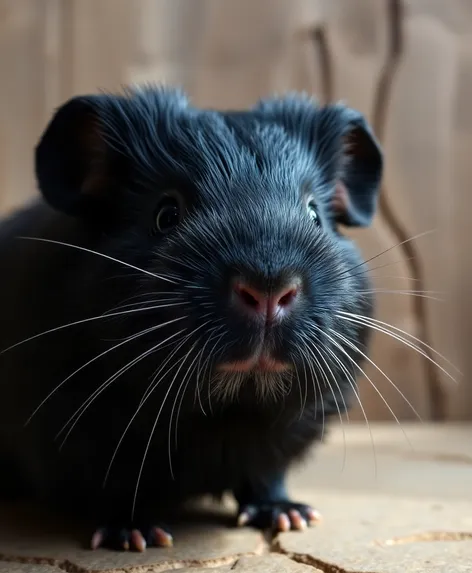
(386, 534)
(273, 563)
(206, 543)
(27, 568)
(408, 509)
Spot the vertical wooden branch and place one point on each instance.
(320, 40)
(382, 100)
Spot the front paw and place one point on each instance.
(278, 516)
(137, 538)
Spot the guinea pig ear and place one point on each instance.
(359, 172)
(345, 148)
(71, 158)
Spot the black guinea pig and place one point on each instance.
(172, 308)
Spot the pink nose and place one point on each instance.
(272, 306)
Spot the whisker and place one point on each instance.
(399, 292)
(184, 263)
(208, 365)
(200, 366)
(138, 335)
(198, 356)
(415, 291)
(82, 409)
(143, 294)
(153, 384)
(140, 405)
(319, 350)
(419, 235)
(352, 384)
(176, 300)
(316, 381)
(384, 330)
(370, 270)
(313, 347)
(149, 390)
(154, 428)
(185, 381)
(177, 294)
(386, 324)
(304, 362)
(356, 349)
(306, 384)
(198, 287)
(83, 321)
(41, 239)
(303, 397)
(399, 277)
(159, 369)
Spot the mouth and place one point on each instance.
(255, 364)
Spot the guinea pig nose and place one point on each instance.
(270, 306)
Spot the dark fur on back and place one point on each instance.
(104, 164)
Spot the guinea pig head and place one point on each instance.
(237, 214)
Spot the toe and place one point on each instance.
(280, 517)
(137, 540)
(118, 539)
(98, 539)
(243, 519)
(283, 522)
(296, 519)
(313, 516)
(161, 538)
(247, 515)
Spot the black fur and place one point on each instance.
(104, 165)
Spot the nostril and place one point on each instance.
(248, 297)
(263, 303)
(288, 297)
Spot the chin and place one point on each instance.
(265, 377)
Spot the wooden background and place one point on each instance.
(406, 64)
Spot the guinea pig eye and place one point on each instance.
(313, 213)
(168, 214)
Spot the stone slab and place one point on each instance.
(26, 534)
(423, 460)
(386, 534)
(10, 567)
(418, 490)
(272, 563)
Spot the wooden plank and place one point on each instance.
(453, 14)
(358, 36)
(29, 77)
(460, 268)
(165, 35)
(247, 51)
(418, 144)
(96, 39)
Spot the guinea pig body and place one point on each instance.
(173, 306)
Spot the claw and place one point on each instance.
(97, 539)
(162, 538)
(283, 522)
(281, 516)
(314, 516)
(297, 520)
(138, 541)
